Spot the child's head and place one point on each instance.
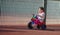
(41, 9)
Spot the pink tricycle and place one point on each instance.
(34, 20)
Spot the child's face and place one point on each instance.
(40, 10)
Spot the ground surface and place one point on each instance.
(23, 30)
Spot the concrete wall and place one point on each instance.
(53, 12)
(16, 12)
(20, 7)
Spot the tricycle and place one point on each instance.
(39, 25)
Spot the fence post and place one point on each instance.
(45, 8)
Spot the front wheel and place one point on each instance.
(30, 25)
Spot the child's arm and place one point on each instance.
(42, 16)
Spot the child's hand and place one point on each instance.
(33, 15)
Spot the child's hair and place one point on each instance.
(41, 8)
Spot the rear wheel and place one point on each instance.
(43, 27)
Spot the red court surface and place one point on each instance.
(23, 30)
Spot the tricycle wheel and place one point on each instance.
(30, 25)
(38, 26)
(43, 27)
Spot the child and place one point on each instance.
(41, 14)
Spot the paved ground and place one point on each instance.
(23, 30)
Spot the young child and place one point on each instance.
(41, 14)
